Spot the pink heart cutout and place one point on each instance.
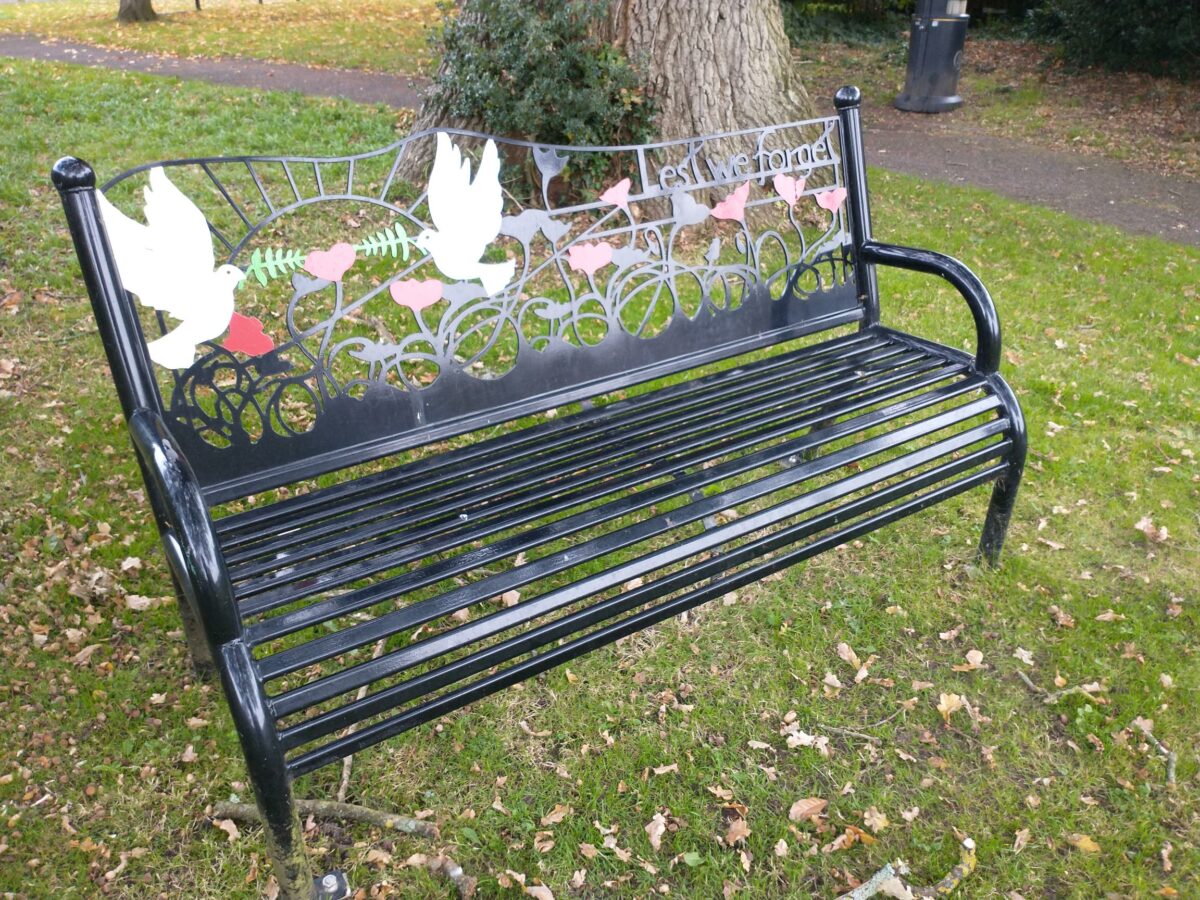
(330, 264)
(734, 206)
(618, 194)
(587, 258)
(789, 188)
(416, 295)
(831, 200)
(246, 335)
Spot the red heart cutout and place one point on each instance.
(246, 335)
(416, 295)
(331, 264)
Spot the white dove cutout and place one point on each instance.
(168, 263)
(466, 214)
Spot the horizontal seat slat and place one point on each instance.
(439, 706)
(399, 584)
(305, 541)
(250, 525)
(324, 610)
(625, 502)
(444, 604)
(481, 659)
(670, 451)
(674, 459)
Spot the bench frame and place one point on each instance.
(181, 507)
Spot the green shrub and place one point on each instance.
(845, 21)
(537, 70)
(1157, 36)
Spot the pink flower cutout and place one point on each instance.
(789, 188)
(416, 295)
(587, 258)
(618, 194)
(734, 206)
(246, 335)
(330, 264)
(831, 200)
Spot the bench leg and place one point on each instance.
(268, 774)
(193, 631)
(995, 526)
(1004, 493)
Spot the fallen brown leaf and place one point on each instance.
(875, 820)
(1083, 842)
(738, 831)
(556, 815)
(655, 829)
(805, 809)
(229, 827)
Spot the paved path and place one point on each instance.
(1089, 187)
(364, 87)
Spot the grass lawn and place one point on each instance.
(113, 752)
(383, 35)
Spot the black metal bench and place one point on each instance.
(401, 481)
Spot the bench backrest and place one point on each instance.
(508, 278)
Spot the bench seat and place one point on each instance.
(692, 483)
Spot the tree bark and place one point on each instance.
(710, 65)
(136, 11)
(432, 114)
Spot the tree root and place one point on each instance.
(348, 762)
(891, 880)
(330, 809)
(446, 868)
(1170, 755)
(1052, 697)
(887, 881)
(854, 734)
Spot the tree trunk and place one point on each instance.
(710, 65)
(136, 11)
(432, 114)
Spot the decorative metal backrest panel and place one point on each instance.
(369, 313)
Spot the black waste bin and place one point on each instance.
(935, 52)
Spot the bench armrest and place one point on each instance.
(188, 536)
(987, 323)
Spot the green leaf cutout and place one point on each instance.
(272, 263)
(392, 241)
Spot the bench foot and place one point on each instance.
(334, 886)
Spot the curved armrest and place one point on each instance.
(987, 323)
(188, 536)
